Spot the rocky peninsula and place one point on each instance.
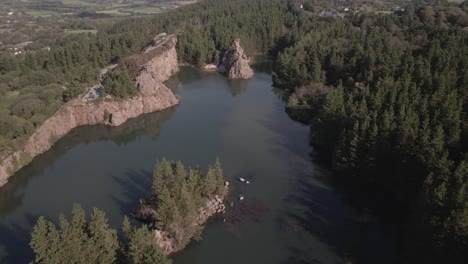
(149, 70)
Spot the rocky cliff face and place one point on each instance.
(153, 96)
(235, 63)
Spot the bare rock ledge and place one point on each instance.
(153, 95)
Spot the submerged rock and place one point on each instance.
(235, 63)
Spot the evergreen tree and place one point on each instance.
(141, 248)
(95, 242)
(218, 172)
(210, 183)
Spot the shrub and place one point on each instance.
(26, 108)
(119, 84)
(71, 93)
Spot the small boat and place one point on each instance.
(242, 179)
(247, 182)
(241, 197)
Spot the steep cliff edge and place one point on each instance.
(150, 70)
(235, 63)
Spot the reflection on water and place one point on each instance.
(148, 125)
(12, 194)
(190, 75)
(289, 215)
(238, 86)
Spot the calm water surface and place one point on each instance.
(241, 122)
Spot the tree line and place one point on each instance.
(387, 100)
(81, 241)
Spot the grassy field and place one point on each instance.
(147, 9)
(75, 7)
(76, 2)
(384, 12)
(114, 12)
(41, 13)
(79, 31)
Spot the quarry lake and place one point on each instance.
(295, 215)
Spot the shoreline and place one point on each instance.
(152, 96)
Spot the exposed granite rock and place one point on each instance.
(235, 63)
(153, 95)
(170, 244)
(213, 206)
(211, 67)
(159, 60)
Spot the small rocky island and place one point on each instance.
(235, 63)
(180, 203)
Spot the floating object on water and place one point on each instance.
(241, 197)
(242, 179)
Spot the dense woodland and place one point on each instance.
(80, 241)
(177, 194)
(387, 98)
(385, 94)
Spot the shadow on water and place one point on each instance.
(323, 221)
(14, 236)
(136, 184)
(148, 125)
(316, 213)
(262, 64)
(190, 74)
(173, 82)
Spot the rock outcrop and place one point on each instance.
(235, 63)
(170, 245)
(157, 66)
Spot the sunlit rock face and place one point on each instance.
(235, 63)
(155, 68)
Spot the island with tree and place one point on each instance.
(179, 204)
